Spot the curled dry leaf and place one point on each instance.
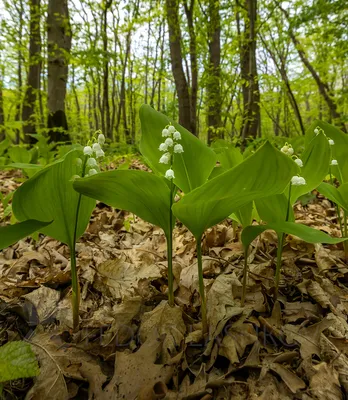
(165, 320)
(325, 384)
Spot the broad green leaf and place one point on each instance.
(339, 149)
(17, 360)
(244, 215)
(192, 167)
(306, 233)
(228, 155)
(266, 172)
(316, 159)
(274, 208)
(139, 192)
(10, 234)
(4, 145)
(19, 154)
(338, 196)
(49, 195)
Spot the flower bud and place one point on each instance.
(92, 172)
(87, 151)
(284, 149)
(176, 135)
(169, 142)
(178, 148)
(163, 147)
(165, 133)
(334, 162)
(101, 139)
(171, 129)
(78, 162)
(299, 162)
(170, 174)
(316, 131)
(290, 151)
(92, 162)
(331, 142)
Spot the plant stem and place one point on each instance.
(170, 251)
(245, 273)
(201, 285)
(338, 213)
(281, 238)
(74, 279)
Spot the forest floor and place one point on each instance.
(131, 344)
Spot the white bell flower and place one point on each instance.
(169, 174)
(99, 153)
(101, 139)
(331, 142)
(78, 162)
(169, 142)
(92, 162)
(176, 135)
(92, 172)
(163, 147)
(165, 158)
(75, 177)
(88, 151)
(290, 151)
(178, 148)
(299, 162)
(165, 133)
(284, 149)
(171, 129)
(96, 147)
(334, 162)
(316, 131)
(298, 181)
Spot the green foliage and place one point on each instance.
(10, 234)
(49, 195)
(267, 171)
(306, 233)
(139, 192)
(274, 208)
(17, 360)
(192, 167)
(337, 195)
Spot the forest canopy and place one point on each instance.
(223, 69)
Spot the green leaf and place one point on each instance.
(266, 172)
(139, 192)
(306, 233)
(17, 360)
(4, 145)
(228, 155)
(10, 234)
(316, 159)
(244, 215)
(339, 149)
(19, 154)
(192, 167)
(338, 196)
(49, 195)
(274, 208)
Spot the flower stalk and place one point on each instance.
(201, 286)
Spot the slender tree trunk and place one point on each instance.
(19, 69)
(323, 87)
(77, 102)
(214, 100)
(251, 93)
(182, 88)
(189, 10)
(106, 104)
(2, 114)
(161, 72)
(59, 45)
(33, 83)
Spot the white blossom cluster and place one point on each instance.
(93, 152)
(169, 147)
(288, 150)
(317, 130)
(298, 181)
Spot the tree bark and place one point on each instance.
(106, 104)
(214, 100)
(181, 85)
(251, 93)
(33, 80)
(59, 45)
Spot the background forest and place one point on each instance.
(230, 69)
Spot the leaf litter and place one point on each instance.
(132, 345)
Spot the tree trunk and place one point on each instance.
(106, 104)
(189, 10)
(213, 73)
(33, 83)
(19, 69)
(59, 45)
(323, 87)
(2, 114)
(181, 85)
(251, 93)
